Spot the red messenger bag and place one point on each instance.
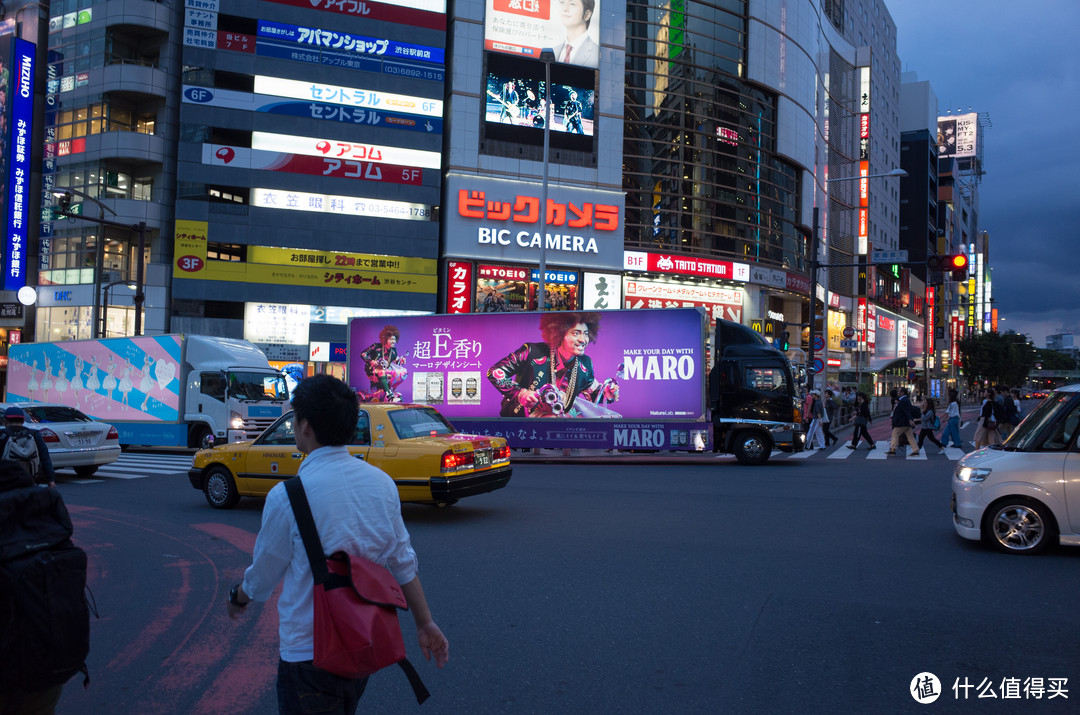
(356, 605)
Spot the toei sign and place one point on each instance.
(500, 220)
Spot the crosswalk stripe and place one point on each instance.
(842, 453)
(879, 453)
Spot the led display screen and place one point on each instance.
(515, 98)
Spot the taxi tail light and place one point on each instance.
(113, 434)
(48, 435)
(455, 461)
(501, 453)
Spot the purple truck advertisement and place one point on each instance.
(630, 379)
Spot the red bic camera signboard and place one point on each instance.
(500, 221)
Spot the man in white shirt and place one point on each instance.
(356, 510)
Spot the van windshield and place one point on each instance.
(1025, 437)
(258, 386)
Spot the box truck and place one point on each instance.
(623, 379)
(158, 390)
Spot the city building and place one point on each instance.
(270, 169)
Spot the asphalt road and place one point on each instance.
(807, 585)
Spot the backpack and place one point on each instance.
(20, 446)
(937, 422)
(44, 616)
(1011, 414)
(998, 411)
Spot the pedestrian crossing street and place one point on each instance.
(131, 466)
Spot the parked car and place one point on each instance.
(1024, 495)
(75, 441)
(430, 461)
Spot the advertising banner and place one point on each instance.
(499, 220)
(570, 29)
(958, 135)
(18, 145)
(685, 265)
(415, 13)
(725, 303)
(113, 380)
(338, 113)
(244, 158)
(497, 367)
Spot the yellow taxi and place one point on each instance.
(430, 462)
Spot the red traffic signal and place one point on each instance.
(956, 263)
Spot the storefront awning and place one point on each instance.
(881, 364)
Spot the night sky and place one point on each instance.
(1018, 62)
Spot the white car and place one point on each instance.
(1024, 495)
(75, 441)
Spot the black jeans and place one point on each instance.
(860, 430)
(925, 433)
(830, 438)
(302, 689)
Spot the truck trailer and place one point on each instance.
(158, 390)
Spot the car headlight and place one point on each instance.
(236, 420)
(972, 474)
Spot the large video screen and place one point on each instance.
(516, 98)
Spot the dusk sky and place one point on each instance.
(1019, 63)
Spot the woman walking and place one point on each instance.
(861, 419)
(928, 420)
(951, 435)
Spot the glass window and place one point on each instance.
(212, 385)
(363, 430)
(282, 434)
(772, 379)
(419, 422)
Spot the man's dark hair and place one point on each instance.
(553, 326)
(588, 7)
(329, 406)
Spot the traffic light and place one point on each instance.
(956, 264)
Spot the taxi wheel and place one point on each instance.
(444, 504)
(220, 489)
(86, 470)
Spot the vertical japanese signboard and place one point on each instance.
(19, 91)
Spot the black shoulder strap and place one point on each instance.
(294, 488)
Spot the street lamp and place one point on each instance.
(899, 173)
(547, 57)
(105, 304)
(63, 196)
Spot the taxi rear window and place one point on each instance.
(419, 422)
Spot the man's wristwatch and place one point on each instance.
(233, 597)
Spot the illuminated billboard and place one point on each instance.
(499, 220)
(958, 135)
(516, 100)
(340, 205)
(326, 111)
(243, 158)
(569, 28)
(345, 151)
(349, 96)
(16, 139)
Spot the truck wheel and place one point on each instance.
(197, 436)
(220, 489)
(751, 447)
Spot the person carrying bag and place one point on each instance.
(356, 602)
